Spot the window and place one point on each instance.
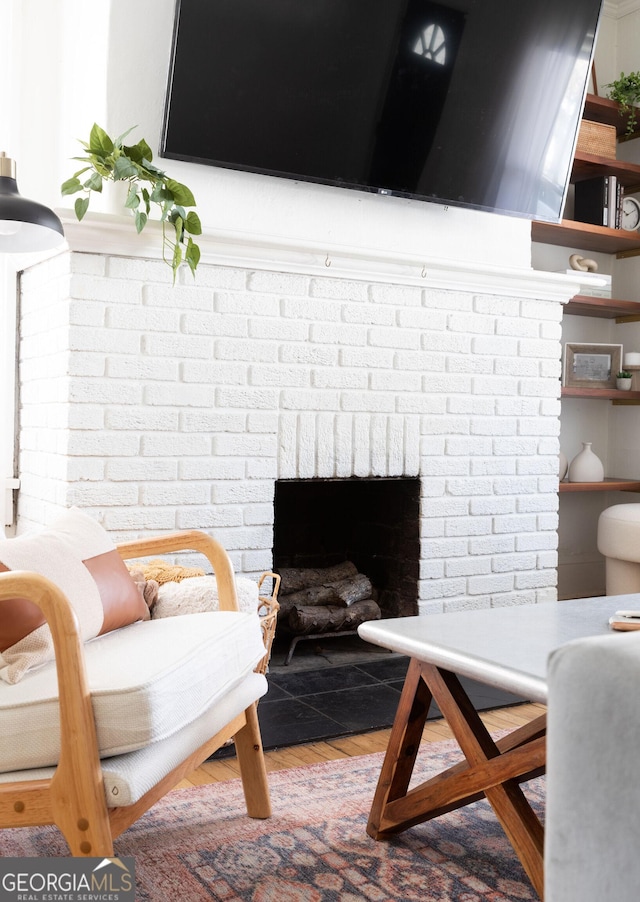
(431, 45)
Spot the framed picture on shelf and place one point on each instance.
(591, 366)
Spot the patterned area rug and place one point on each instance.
(199, 844)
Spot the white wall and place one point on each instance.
(160, 408)
(628, 37)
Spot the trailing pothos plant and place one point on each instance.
(110, 159)
(626, 91)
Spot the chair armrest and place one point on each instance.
(593, 793)
(78, 743)
(191, 540)
(56, 609)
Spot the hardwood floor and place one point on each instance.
(350, 746)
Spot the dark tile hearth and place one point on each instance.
(327, 703)
(310, 705)
(351, 698)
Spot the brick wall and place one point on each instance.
(159, 408)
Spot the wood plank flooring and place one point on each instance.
(351, 746)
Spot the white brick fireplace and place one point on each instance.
(160, 408)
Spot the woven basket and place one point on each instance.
(268, 611)
(598, 139)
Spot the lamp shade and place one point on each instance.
(25, 225)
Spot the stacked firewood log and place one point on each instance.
(325, 599)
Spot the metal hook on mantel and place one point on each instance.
(327, 261)
(423, 274)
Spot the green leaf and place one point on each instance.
(145, 150)
(177, 259)
(71, 186)
(165, 209)
(140, 152)
(99, 141)
(133, 198)
(178, 224)
(81, 205)
(175, 213)
(157, 193)
(118, 141)
(192, 255)
(192, 223)
(153, 169)
(103, 167)
(141, 221)
(181, 194)
(124, 168)
(134, 152)
(94, 182)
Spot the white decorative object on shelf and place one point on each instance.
(586, 466)
(564, 466)
(632, 358)
(582, 264)
(623, 383)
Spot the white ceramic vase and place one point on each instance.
(586, 466)
(563, 466)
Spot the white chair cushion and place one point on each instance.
(147, 681)
(128, 777)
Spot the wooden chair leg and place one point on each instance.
(82, 816)
(253, 770)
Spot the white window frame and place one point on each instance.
(9, 482)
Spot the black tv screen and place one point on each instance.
(473, 103)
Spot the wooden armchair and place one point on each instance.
(92, 798)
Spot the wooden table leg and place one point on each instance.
(491, 769)
(404, 742)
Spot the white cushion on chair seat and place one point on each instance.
(128, 777)
(147, 681)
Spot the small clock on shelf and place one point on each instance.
(630, 214)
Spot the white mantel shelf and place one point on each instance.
(115, 235)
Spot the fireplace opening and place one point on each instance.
(373, 524)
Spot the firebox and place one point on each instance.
(371, 522)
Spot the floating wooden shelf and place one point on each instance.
(605, 308)
(601, 109)
(583, 235)
(602, 394)
(610, 484)
(590, 165)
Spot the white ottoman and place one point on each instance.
(619, 542)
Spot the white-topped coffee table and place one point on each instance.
(502, 647)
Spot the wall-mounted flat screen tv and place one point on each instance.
(473, 103)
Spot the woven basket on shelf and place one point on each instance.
(268, 612)
(597, 138)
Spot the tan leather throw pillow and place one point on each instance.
(77, 555)
(18, 618)
(122, 600)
